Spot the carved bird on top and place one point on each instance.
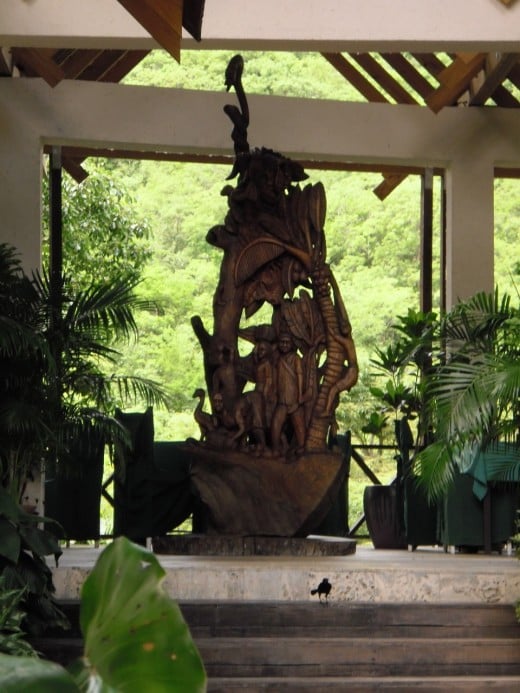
(238, 116)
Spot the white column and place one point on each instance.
(469, 232)
(20, 191)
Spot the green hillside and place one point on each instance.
(373, 246)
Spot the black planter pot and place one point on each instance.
(383, 507)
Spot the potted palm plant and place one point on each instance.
(55, 386)
(474, 402)
(396, 515)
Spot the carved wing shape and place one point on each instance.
(255, 255)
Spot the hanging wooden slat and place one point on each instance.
(383, 78)
(358, 81)
(162, 19)
(455, 80)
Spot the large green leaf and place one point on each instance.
(10, 541)
(135, 636)
(32, 675)
(40, 542)
(8, 507)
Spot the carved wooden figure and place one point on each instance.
(276, 404)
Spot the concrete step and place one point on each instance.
(259, 657)
(349, 620)
(299, 646)
(242, 619)
(439, 684)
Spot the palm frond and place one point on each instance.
(136, 389)
(503, 462)
(435, 469)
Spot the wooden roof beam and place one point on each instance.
(124, 65)
(383, 78)
(162, 19)
(96, 70)
(358, 81)
(514, 75)
(455, 79)
(39, 62)
(78, 61)
(6, 67)
(389, 184)
(74, 169)
(430, 62)
(80, 153)
(504, 98)
(497, 68)
(409, 73)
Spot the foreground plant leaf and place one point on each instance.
(32, 675)
(135, 636)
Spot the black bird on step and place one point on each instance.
(323, 588)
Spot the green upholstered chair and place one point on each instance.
(73, 491)
(152, 490)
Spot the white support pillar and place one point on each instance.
(20, 190)
(469, 229)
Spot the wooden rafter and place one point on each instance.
(514, 75)
(192, 14)
(124, 65)
(431, 63)
(96, 71)
(76, 62)
(455, 80)
(74, 169)
(496, 69)
(81, 153)
(504, 98)
(389, 184)
(162, 19)
(5, 63)
(39, 63)
(383, 78)
(409, 73)
(358, 81)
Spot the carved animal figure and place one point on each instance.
(203, 418)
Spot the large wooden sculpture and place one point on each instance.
(262, 465)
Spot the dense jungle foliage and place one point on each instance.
(159, 214)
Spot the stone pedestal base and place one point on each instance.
(213, 545)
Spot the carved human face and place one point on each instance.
(218, 402)
(262, 351)
(285, 344)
